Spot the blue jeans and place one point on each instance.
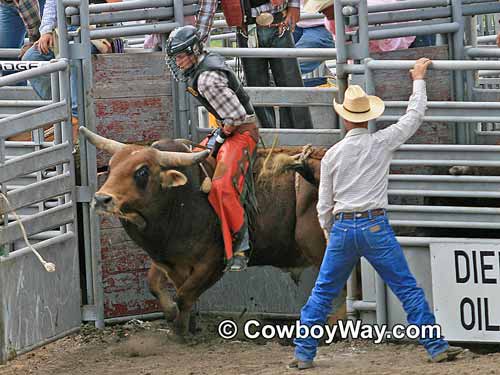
(41, 84)
(312, 37)
(374, 239)
(12, 30)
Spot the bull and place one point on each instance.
(155, 191)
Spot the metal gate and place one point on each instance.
(37, 207)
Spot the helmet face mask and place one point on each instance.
(183, 40)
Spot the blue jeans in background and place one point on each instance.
(312, 37)
(41, 84)
(374, 239)
(12, 30)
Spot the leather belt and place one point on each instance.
(360, 215)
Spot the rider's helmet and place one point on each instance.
(184, 39)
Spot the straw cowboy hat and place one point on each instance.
(314, 6)
(359, 107)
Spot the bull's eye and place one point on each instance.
(141, 177)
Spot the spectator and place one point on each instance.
(43, 50)
(311, 34)
(16, 18)
(382, 45)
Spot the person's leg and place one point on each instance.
(40, 84)
(384, 253)
(286, 73)
(12, 32)
(228, 183)
(314, 37)
(12, 28)
(340, 257)
(257, 75)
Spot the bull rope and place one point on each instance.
(49, 267)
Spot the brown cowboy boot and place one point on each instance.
(449, 354)
(301, 365)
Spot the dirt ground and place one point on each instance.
(147, 348)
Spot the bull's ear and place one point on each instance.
(172, 178)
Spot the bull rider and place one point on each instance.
(219, 90)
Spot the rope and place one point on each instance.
(49, 267)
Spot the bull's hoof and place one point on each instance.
(171, 312)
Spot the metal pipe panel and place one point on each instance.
(404, 209)
(37, 192)
(127, 5)
(159, 28)
(36, 118)
(329, 53)
(482, 52)
(36, 161)
(436, 64)
(37, 223)
(446, 163)
(291, 96)
(448, 119)
(45, 68)
(415, 30)
(444, 193)
(26, 250)
(134, 15)
(409, 4)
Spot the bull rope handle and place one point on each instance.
(49, 267)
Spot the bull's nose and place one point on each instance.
(102, 200)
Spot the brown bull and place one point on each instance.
(156, 193)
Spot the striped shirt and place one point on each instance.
(29, 11)
(354, 172)
(205, 17)
(214, 87)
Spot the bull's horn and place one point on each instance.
(181, 159)
(101, 143)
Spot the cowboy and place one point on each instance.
(352, 212)
(218, 89)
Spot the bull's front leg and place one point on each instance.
(158, 285)
(203, 276)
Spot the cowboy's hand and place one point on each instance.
(26, 47)
(498, 40)
(228, 129)
(420, 68)
(292, 17)
(45, 43)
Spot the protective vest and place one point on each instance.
(213, 62)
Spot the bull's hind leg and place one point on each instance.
(158, 285)
(308, 234)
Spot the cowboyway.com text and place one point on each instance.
(253, 329)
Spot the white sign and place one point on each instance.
(21, 65)
(466, 290)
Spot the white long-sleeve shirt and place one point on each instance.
(354, 172)
(49, 19)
